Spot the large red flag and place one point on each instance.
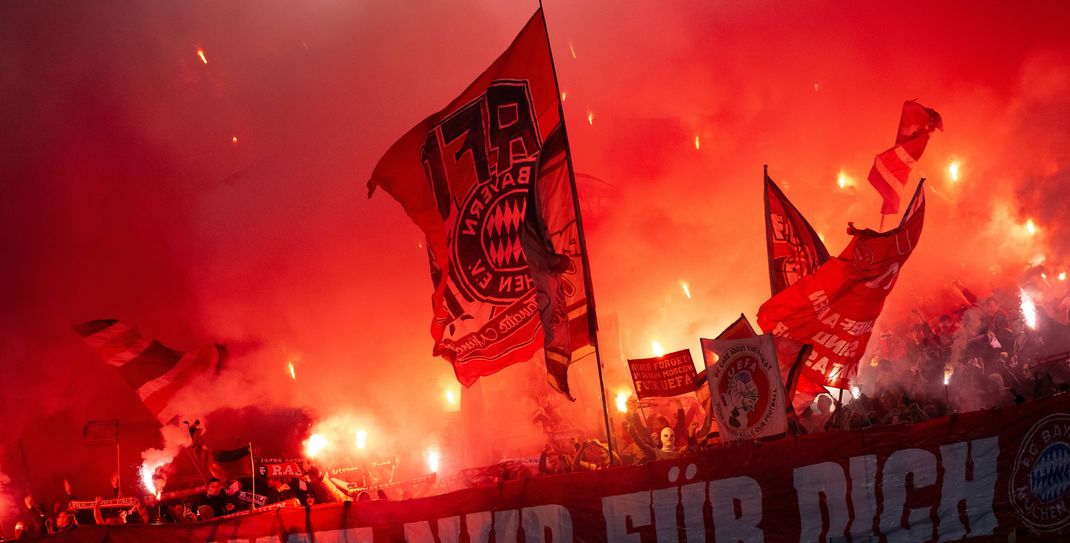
(463, 175)
(834, 308)
(795, 250)
(892, 169)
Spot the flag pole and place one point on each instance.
(252, 473)
(118, 471)
(583, 242)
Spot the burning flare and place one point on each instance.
(1030, 227)
(315, 444)
(953, 170)
(564, 96)
(434, 459)
(656, 347)
(948, 372)
(200, 53)
(572, 50)
(1029, 309)
(590, 117)
(234, 139)
(698, 143)
(843, 180)
(622, 400)
(293, 375)
(1062, 276)
(362, 438)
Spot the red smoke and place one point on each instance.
(128, 195)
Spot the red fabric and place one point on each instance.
(834, 308)
(664, 376)
(979, 477)
(462, 176)
(794, 248)
(892, 169)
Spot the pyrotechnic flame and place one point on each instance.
(1030, 227)
(315, 444)
(434, 459)
(843, 180)
(684, 286)
(622, 400)
(450, 399)
(698, 143)
(147, 471)
(572, 50)
(855, 391)
(200, 53)
(362, 438)
(564, 96)
(590, 117)
(1062, 276)
(656, 347)
(1044, 276)
(948, 372)
(1029, 309)
(953, 170)
(234, 139)
(293, 374)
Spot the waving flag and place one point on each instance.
(795, 250)
(834, 308)
(747, 393)
(463, 176)
(892, 169)
(155, 370)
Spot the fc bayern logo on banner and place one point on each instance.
(745, 383)
(1040, 482)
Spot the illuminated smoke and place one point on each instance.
(174, 437)
(656, 347)
(434, 459)
(362, 438)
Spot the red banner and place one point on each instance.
(893, 169)
(463, 176)
(668, 375)
(834, 308)
(978, 476)
(794, 249)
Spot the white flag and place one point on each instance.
(746, 392)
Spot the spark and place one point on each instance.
(572, 50)
(684, 286)
(1030, 227)
(234, 139)
(362, 438)
(954, 170)
(656, 347)
(622, 400)
(434, 459)
(564, 96)
(698, 143)
(590, 117)
(1029, 309)
(200, 53)
(293, 374)
(147, 472)
(1062, 276)
(315, 444)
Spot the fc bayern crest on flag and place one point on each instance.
(747, 395)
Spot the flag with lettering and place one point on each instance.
(834, 309)
(155, 370)
(462, 175)
(795, 250)
(893, 169)
(746, 391)
(100, 432)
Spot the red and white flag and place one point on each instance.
(155, 370)
(834, 309)
(747, 393)
(892, 170)
(463, 176)
(795, 250)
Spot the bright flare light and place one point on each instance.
(314, 444)
(656, 347)
(698, 143)
(1030, 227)
(590, 117)
(564, 95)
(293, 374)
(953, 170)
(434, 459)
(684, 286)
(947, 375)
(843, 180)
(362, 438)
(572, 50)
(855, 391)
(146, 473)
(200, 53)
(1062, 276)
(1029, 310)
(450, 398)
(622, 400)
(234, 139)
